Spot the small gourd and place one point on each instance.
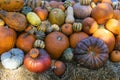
(33, 19)
(85, 2)
(77, 26)
(39, 44)
(2, 23)
(42, 27)
(26, 9)
(12, 59)
(33, 3)
(67, 3)
(49, 29)
(68, 54)
(55, 27)
(40, 35)
(69, 15)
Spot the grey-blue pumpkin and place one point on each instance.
(12, 59)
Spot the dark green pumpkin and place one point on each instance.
(26, 10)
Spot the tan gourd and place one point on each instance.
(70, 16)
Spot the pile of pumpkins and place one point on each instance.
(41, 35)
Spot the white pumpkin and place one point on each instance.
(12, 59)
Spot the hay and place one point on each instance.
(110, 71)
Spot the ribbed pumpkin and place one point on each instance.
(56, 43)
(12, 59)
(76, 37)
(11, 5)
(91, 53)
(106, 36)
(77, 26)
(25, 41)
(7, 39)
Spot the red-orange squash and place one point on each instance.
(7, 39)
(56, 43)
(25, 41)
(106, 36)
(76, 37)
(102, 12)
(115, 56)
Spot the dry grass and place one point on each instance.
(110, 71)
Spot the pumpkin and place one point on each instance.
(61, 7)
(116, 14)
(105, 11)
(37, 60)
(25, 41)
(81, 11)
(58, 67)
(56, 16)
(2, 22)
(68, 54)
(7, 39)
(41, 12)
(56, 43)
(89, 25)
(76, 37)
(33, 3)
(26, 9)
(40, 35)
(55, 27)
(33, 19)
(106, 36)
(12, 59)
(91, 53)
(67, 29)
(11, 5)
(69, 15)
(77, 26)
(113, 25)
(14, 20)
(115, 56)
(39, 44)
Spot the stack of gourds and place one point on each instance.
(42, 35)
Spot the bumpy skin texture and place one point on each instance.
(91, 53)
(12, 59)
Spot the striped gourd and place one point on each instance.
(77, 27)
(85, 2)
(42, 27)
(39, 44)
(40, 35)
(55, 27)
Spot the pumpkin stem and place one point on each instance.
(93, 5)
(59, 38)
(43, 6)
(34, 53)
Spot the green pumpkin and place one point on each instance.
(40, 35)
(26, 10)
(56, 16)
(68, 54)
(77, 27)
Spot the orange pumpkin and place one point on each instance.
(106, 36)
(25, 41)
(89, 25)
(76, 37)
(115, 56)
(41, 12)
(11, 5)
(67, 29)
(56, 43)
(113, 25)
(102, 12)
(7, 39)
